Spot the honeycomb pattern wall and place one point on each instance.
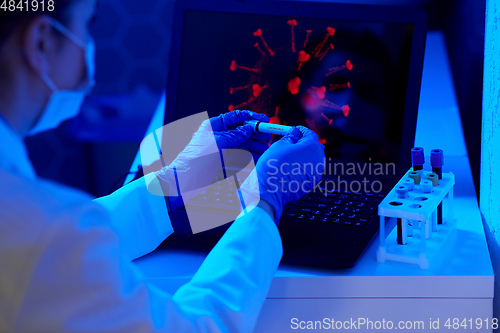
(132, 44)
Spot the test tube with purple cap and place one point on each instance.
(437, 162)
(417, 159)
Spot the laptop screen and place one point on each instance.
(344, 79)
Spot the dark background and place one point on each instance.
(94, 151)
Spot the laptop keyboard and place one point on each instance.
(220, 194)
(345, 208)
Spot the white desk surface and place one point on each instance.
(464, 270)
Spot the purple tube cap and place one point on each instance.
(417, 156)
(437, 158)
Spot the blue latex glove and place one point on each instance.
(230, 132)
(199, 162)
(288, 170)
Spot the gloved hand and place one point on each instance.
(229, 133)
(288, 170)
(200, 161)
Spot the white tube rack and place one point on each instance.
(418, 211)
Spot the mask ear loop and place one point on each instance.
(66, 32)
(71, 36)
(48, 81)
(90, 61)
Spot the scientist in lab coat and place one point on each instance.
(65, 258)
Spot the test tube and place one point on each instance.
(410, 183)
(437, 162)
(417, 158)
(404, 226)
(261, 127)
(415, 175)
(433, 177)
(401, 232)
(426, 186)
(402, 191)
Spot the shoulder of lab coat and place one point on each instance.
(47, 231)
(64, 272)
(138, 216)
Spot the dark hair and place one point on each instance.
(11, 20)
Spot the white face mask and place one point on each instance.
(65, 104)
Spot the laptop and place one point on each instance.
(351, 73)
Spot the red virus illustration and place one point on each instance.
(261, 76)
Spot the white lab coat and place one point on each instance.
(65, 260)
